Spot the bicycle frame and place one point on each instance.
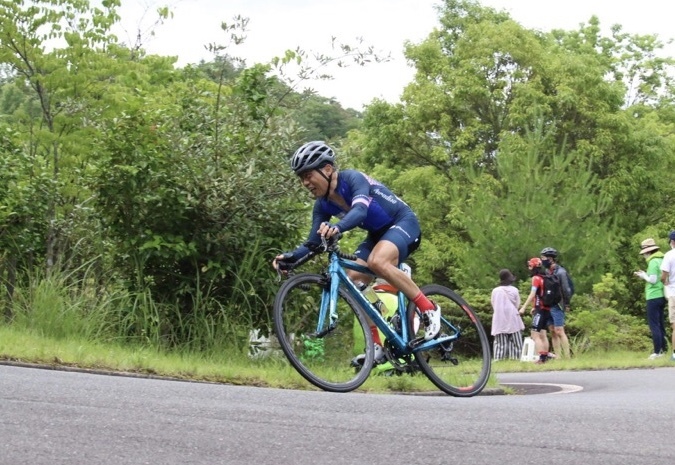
(338, 275)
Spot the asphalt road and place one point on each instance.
(54, 417)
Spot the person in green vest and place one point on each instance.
(668, 280)
(654, 293)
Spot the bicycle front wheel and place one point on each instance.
(324, 353)
(461, 366)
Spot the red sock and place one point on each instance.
(376, 335)
(423, 303)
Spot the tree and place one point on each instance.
(325, 119)
(499, 114)
(55, 82)
(557, 203)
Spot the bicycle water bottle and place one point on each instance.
(374, 299)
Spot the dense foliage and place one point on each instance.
(157, 195)
(510, 140)
(169, 184)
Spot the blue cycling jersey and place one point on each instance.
(372, 206)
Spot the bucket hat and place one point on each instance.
(506, 278)
(648, 245)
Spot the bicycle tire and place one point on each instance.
(324, 361)
(460, 368)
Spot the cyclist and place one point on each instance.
(355, 199)
(541, 315)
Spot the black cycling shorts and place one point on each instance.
(541, 319)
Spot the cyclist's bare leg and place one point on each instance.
(540, 341)
(359, 278)
(383, 261)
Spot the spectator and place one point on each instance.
(668, 280)
(507, 325)
(559, 341)
(541, 315)
(656, 301)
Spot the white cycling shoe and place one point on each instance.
(432, 322)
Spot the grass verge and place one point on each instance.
(238, 369)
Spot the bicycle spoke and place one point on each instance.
(459, 367)
(322, 355)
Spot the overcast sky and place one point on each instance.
(275, 26)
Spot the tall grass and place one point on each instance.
(62, 304)
(78, 304)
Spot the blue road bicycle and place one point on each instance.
(320, 321)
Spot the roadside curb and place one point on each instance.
(522, 389)
(101, 371)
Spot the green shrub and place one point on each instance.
(595, 323)
(606, 329)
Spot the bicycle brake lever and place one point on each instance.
(281, 274)
(332, 242)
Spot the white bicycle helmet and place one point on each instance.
(312, 155)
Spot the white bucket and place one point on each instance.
(528, 354)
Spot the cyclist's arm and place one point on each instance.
(529, 299)
(360, 189)
(318, 217)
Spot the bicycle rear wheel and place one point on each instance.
(322, 355)
(461, 367)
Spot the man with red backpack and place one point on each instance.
(541, 314)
